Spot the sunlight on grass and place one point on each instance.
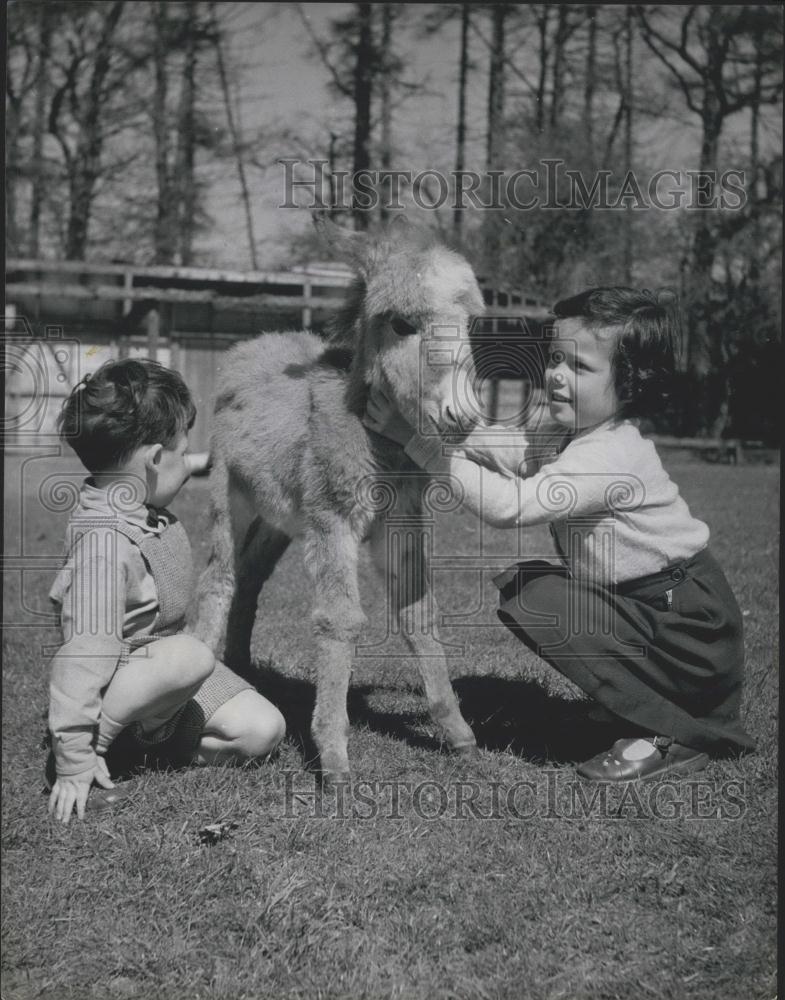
(294, 895)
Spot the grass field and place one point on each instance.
(488, 879)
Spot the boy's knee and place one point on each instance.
(252, 724)
(264, 735)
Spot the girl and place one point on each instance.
(126, 665)
(638, 613)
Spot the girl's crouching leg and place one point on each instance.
(245, 727)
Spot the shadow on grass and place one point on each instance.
(519, 716)
(509, 715)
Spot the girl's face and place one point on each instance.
(579, 380)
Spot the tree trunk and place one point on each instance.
(13, 236)
(542, 30)
(385, 151)
(165, 221)
(39, 127)
(628, 101)
(186, 140)
(752, 190)
(81, 186)
(460, 142)
(495, 137)
(86, 166)
(236, 144)
(706, 348)
(363, 86)
(590, 81)
(496, 90)
(562, 32)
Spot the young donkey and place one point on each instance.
(292, 456)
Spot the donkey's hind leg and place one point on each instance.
(243, 554)
(412, 603)
(256, 556)
(331, 550)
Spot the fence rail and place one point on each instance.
(151, 293)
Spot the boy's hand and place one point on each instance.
(69, 792)
(382, 417)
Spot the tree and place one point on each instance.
(495, 131)
(45, 24)
(365, 68)
(86, 96)
(186, 138)
(590, 77)
(716, 61)
(21, 76)
(434, 22)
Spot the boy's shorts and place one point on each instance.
(177, 741)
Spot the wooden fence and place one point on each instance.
(69, 317)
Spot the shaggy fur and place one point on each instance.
(291, 456)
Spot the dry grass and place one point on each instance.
(427, 903)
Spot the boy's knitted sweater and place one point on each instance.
(614, 512)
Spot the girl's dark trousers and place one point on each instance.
(664, 652)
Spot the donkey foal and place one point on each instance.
(292, 457)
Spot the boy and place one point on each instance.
(126, 664)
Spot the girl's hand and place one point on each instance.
(382, 417)
(69, 792)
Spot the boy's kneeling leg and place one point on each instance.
(244, 727)
(154, 683)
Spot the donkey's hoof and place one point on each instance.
(468, 751)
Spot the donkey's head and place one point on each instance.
(407, 319)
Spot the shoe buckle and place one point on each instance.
(662, 743)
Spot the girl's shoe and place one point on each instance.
(642, 758)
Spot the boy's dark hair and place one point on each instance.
(644, 361)
(122, 406)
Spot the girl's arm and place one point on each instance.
(581, 480)
(501, 500)
(516, 451)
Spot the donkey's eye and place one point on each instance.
(402, 327)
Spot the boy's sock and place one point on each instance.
(108, 731)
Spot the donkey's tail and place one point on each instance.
(216, 584)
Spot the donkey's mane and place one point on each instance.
(342, 327)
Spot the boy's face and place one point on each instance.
(167, 473)
(579, 380)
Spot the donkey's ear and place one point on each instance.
(345, 244)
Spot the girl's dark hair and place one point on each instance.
(644, 361)
(122, 406)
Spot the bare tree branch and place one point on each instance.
(323, 51)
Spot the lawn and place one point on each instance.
(432, 878)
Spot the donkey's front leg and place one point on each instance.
(406, 568)
(331, 560)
